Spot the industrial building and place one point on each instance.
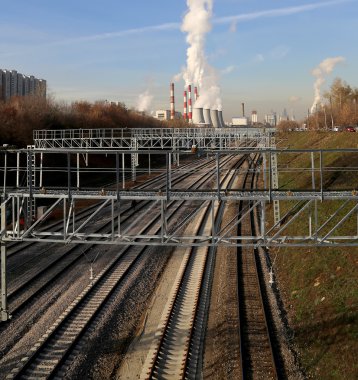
(240, 121)
(13, 84)
(166, 115)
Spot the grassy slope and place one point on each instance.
(320, 286)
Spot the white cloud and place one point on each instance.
(228, 69)
(279, 52)
(259, 58)
(294, 99)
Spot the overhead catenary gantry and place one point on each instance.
(149, 138)
(318, 213)
(296, 203)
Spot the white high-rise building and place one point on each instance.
(5, 84)
(32, 85)
(254, 117)
(20, 85)
(271, 119)
(13, 83)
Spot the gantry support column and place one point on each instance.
(5, 316)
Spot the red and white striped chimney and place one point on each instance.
(196, 95)
(185, 106)
(172, 102)
(190, 106)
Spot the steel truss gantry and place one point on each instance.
(317, 213)
(295, 202)
(150, 138)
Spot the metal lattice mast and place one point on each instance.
(4, 312)
(134, 159)
(274, 174)
(31, 183)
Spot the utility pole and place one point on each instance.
(308, 119)
(355, 110)
(330, 101)
(325, 117)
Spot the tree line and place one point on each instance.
(338, 108)
(21, 115)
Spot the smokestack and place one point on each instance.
(190, 107)
(196, 95)
(207, 117)
(198, 116)
(243, 109)
(172, 102)
(215, 118)
(185, 106)
(221, 119)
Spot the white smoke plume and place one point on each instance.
(144, 101)
(197, 23)
(324, 68)
(209, 91)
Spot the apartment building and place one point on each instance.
(13, 84)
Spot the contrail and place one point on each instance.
(121, 33)
(279, 12)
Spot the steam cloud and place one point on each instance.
(197, 23)
(144, 101)
(324, 68)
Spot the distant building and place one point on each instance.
(165, 115)
(271, 119)
(20, 85)
(5, 84)
(254, 117)
(284, 116)
(240, 121)
(13, 83)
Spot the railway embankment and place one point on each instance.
(319, 286)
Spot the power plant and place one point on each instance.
(193, 114)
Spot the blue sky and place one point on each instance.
(117, 49)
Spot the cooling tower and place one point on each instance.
(207, 117)
(221, 119)
(215, 118)
(198, 116)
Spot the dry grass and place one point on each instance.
(320, 286)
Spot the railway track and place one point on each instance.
(258, 357)
(16, 247)
(177, 347)
(34, 357)
(68, 257)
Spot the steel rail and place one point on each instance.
(174, 341)
(66, 260)
(173, 211)
(257, 356)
